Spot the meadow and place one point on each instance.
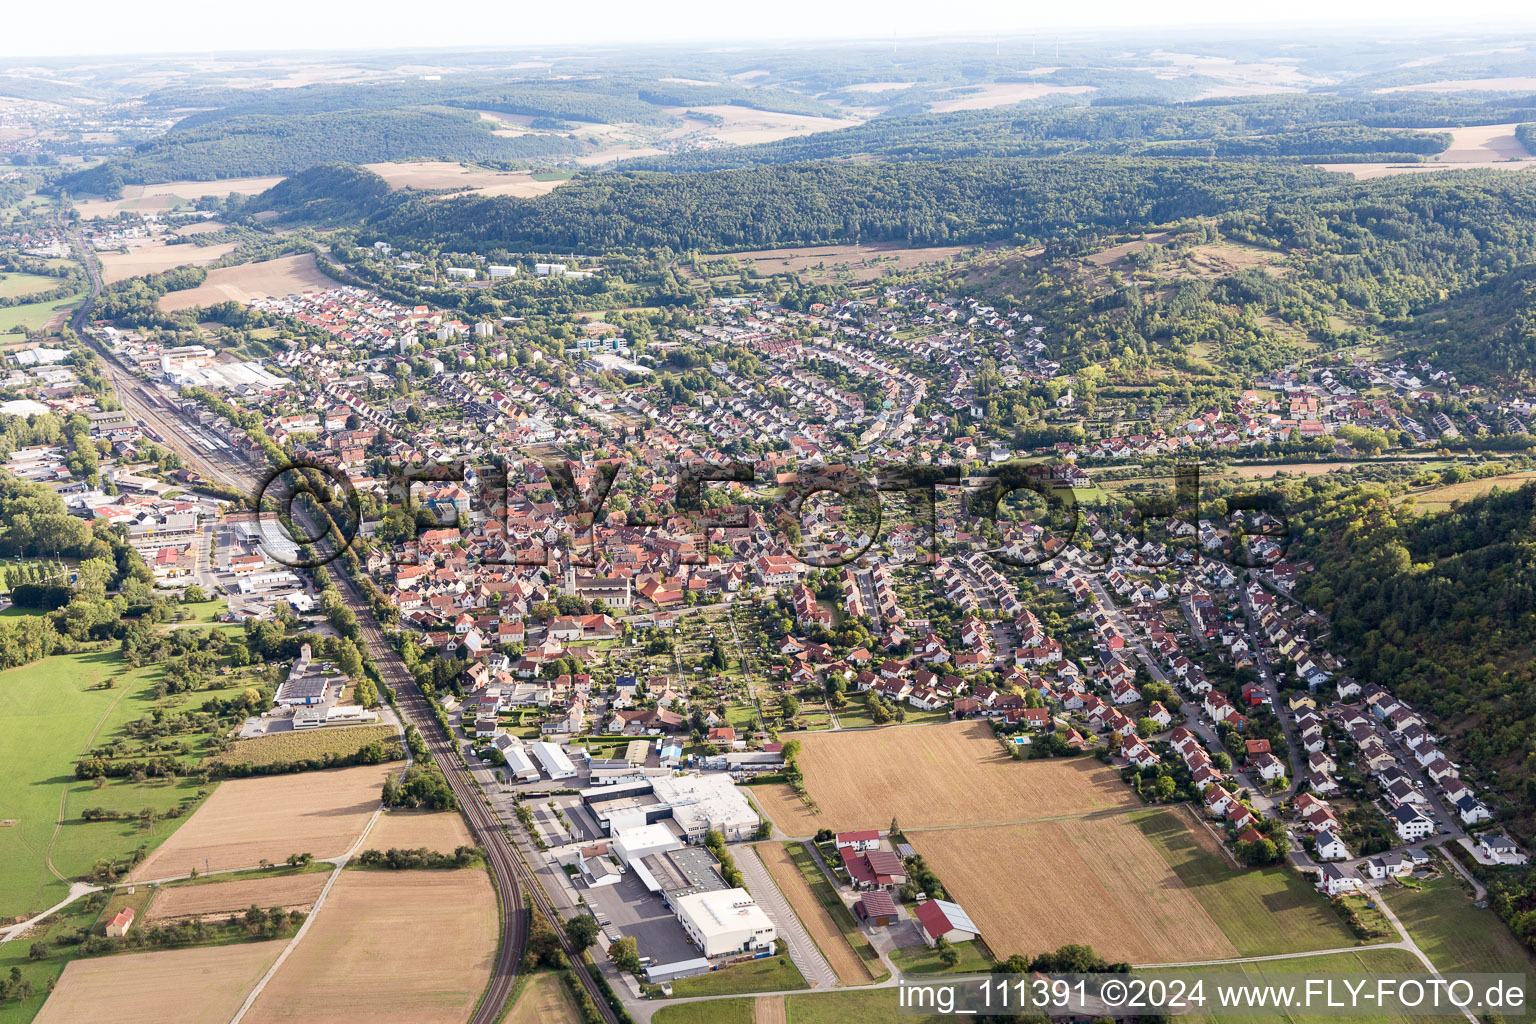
(50, 713)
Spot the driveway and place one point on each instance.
(802, 950)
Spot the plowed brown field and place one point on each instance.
(287, 891)
(363, 960)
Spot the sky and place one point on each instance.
(29, 28)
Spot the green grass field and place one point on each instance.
(79, 914)
(715, 1011)
(50, 713)
(852, 1005)
(1373, 962)
(974, 959)
(770, 974)
(1266, 911)
(33, 315)
(14, 284)
(1454, 934)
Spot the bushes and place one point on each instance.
(715, 843)
(423, 786)
(395, 859)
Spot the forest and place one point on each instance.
(953, 202)
(1441, 610)
(258, 144)
(1315, 127)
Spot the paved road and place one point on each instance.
(802, 949)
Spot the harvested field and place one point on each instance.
(337, 741)
(436, 174)
(1482, 146)
(1095, 880)
(743, 126)
(1365, 172)
(1440, 499)
(1512, 84)
(818, 923)
(360, 962)
(544, 1000)
(153, 258)
(769, 1010)
(930, 777)
(440, 831)
(1004, 94)
(211, 898)
(208, 985)
(245, 820)
(170, 194)
(287, 275)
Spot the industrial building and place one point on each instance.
(723, 922)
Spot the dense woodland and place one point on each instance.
(1314, 127)
(967, 201)
(1442, 611)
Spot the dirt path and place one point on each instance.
(769, 1010)
(64, 796)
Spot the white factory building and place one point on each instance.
(553, 760)
(725, 921)
(700, 803)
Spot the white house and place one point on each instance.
(1331, 847)
(867, 839)
(1335, 881)
(1500, 849)
(1411, 823)
(1389, 865)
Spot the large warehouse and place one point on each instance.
(725, 921)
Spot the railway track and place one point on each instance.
(510, 871)
(490, 830)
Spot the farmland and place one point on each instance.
(157, 256)
(932, 777)
(246, 820)
(1440, 499)
(1094, 880)
(171, 194)
(289, 891)
(1457, 936)
(824, 262)
(1262, 912)
(544, 1000)
(208, 985)
(851, 970)
(360, 961)
(340, 741)
(441, 174)
(286, 275)
(34, 315)
(440, 831)
(1371, 962)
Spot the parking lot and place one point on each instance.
(636, 912)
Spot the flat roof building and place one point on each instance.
(553, 760)
(725, 921)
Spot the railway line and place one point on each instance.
(510, 871)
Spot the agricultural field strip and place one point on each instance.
(341, 863)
